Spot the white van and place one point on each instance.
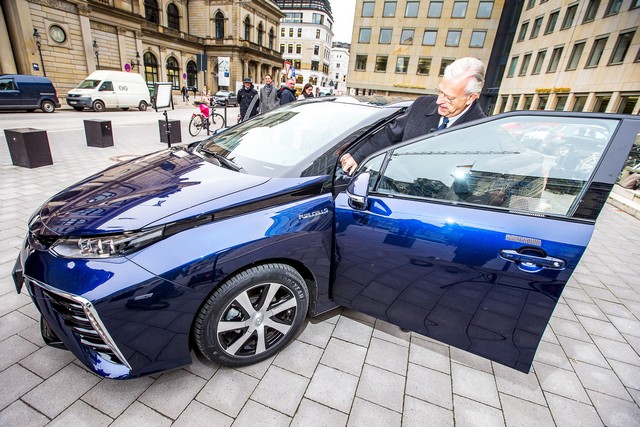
(110, 89)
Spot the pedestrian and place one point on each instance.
(307, 92)
(288, 93)
(185, 94)
(245, 98)
(456, 102)
(267, 95)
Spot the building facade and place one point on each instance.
(574, 56)
(305, 39)
(212, 43)
(339, 67)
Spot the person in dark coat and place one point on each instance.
(245, 96)
(456, 102)
(288, 93)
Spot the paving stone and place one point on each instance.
(429, 385)
(387, 355)
(344, 356)
(430, 355)
(550, 336)
(392, 333)
(586, 309)
(200, 367)
(113, 397)
(257, 370)
(140, 415)
(470, 413)
(14, 349)
(628, 374)
(626, 326)
(616, 350)
(563, 311)
(600, 328)
(569, 413)
(561, 382)
(47, 361)
(519, 412)
(15, 381)
(281, 390)
(614, 309)
(582, 351)
(354, 331)
(80, 414)
(12, 323)
(367, 414)
(567, 328)
(300, 358)
(420, 413)
(333, 388)
(155, 396)
(227, 391)
(576, 294)
(314, 414)
(381, 387)
(20, 414)
(267, 417)
(474, 384)
(615, 412)
(12, 301)
(515, 383)
(552, 354)
(317, 334)
(600, 293)
(198, 414)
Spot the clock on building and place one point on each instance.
(57, 34)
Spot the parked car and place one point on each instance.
(22, 92)
(224, 97)
(454, 235)
(110, 89)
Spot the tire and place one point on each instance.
(48, 106)
(125, 108)
(252, 316)
(98, 106)
(142, 106)
(196, 124)
(78, 108)
(216, 121)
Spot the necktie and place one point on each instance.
(445, 122)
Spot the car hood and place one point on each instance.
(162, 187)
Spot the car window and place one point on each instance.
(491, 165)
(106, 86)
(7, 84)
(88, 84)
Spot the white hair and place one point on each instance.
(464, 68)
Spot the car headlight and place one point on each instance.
(106, 246)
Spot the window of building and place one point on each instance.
(576, 54)
(592, 9)
(429, 37)
(627, 104)
(570, 17)
(435, 9)
(553, 20)
(453, 38)
(525, 64)
(367, 8)
(402, 64)
(317, 34)
(173, 17)
(634, 4)
(406, 37)
(290, 48)
(150, 67)
(247, 28)
(381, 63)
(444, 63)
(315, 65)
(579, 102)
(219, 26)
(317, 18)
(260, 34)
(385, 35)
(282, 31)
(555, 59)
(523, 31)
(365, 35)
(291, 32)
(459, 9)
(298, 48)
(316, 49)
(542, 102)
(361, 63)
(537, 65)
(528, 100)
(485, 8)
(596, 52)
(299, 32)
(535, 31)
(602, 102)
(531, 3)
(561, 101)
(477, 38)
(173, 72)
(424, 66)
(389, 9)
(297, 64)
(192, 74)
(513, 66)
(613, 7)
(151, 11)
(411, 10)
(293, 17)
(282, 47)
(272, 38)
(621, 48)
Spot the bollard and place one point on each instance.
(98, 132)
(28, 147)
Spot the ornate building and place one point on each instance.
(187, 42)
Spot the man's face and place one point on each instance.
(291, 85)
(451, 97)
(267, 80)
(247, 85)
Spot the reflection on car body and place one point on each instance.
(466, 235)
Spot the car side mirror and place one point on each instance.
(358, 190)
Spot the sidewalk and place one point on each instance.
(345, 368)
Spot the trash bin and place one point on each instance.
(28, 147)
(174, 128)
(99, 133)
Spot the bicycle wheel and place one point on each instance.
(216, 122)
(196, 124)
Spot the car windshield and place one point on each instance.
(222, 93)
(271, 143)
(89, 84)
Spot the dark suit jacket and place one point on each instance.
(420, 118)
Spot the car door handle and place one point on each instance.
(533, 262)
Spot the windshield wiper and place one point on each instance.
(229, 164)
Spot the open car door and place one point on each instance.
(469, 235)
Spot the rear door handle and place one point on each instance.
(532, 262)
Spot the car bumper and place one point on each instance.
(79, 102)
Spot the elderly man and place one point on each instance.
(288, 93)
(456, 102)
(245, 96)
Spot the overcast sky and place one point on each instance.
(342, 11)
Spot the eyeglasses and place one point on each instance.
(448, 99)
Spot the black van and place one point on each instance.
(22, 92)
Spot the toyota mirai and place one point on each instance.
(225, 246)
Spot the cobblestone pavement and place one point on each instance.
(345, 368)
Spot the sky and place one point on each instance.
(343, 12)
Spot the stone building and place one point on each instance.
(339, 67)
(164, 40)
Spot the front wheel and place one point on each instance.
(252, 316)
(98, 106)
(216, 122)
(48, 106)
(196, 124)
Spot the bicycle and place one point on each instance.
(206, 119)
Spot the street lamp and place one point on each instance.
(36, 37)
(96, 50)
(137, 63)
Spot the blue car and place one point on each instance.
(226, 246)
